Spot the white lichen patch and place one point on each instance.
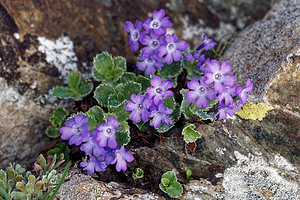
(10, 95)
(60, 53)
(191, 31)
(254, 178)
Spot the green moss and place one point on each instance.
(254, 111)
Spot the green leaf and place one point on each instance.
(123, 137)
(3, 175)
(165, 181)
(52, 132)
(10, 172)
(174, 190)
(31, 179)
(74, 80)
(145, 82)
(103, 63)
(120, 62)
(108, 69)
(202, 113)
(190, 110)
(185, 106)
(84, 89)
(170, 185)
(42, 161)
(129, 88)
(192, 70)
(171, 71)
(138, 173)
(3, 193)
(190, 134)
(174, 116)
(62, 92)
(128, 76)
(78, 88)
(30, 188)
(188, 173)
(116, 100)
(96, 113)
(58, 115)
(60, 182)
(142, 126)
(60, 148)
(170, 102)
(120, 112)
(102, 94)
(19, 195)
(170, 175)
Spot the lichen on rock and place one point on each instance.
(254, 111)
(255, 178)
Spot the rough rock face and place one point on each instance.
(22, 126)
(97, 25)
(80, 186)
(31, 63)
(268, 53)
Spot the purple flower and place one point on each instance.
(227, 95)
(106, 134)
(219, 76)
(161, 115)
(91, 146)
(207, 43)
(199, 93)
(243, 92)
(107, 156)
(204, 66)
(172, 49)
(121, 158)
(197, 57)
(152, 43)
(139, 106)
(93, 165)
(149, 63)
(158, 24)
(159, 90)
(134, 34)
(76, 130)
(224, 110)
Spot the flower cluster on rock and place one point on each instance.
(101, 145)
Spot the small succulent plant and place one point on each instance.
(170, 185)
(17, 183)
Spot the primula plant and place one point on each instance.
(145, 98)
(17, 183)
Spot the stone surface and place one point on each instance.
(80, 186)
(42, 41)
(22, 127)
(263, 53)
(255, 178)
(97, 25)
(268, 49)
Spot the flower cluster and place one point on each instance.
(218, 83)
(101, 145)
(158, 46)
(199, 58)
(152, 104)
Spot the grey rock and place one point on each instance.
(268, 53)
(262, 47)
(22, 127)
(255, 178)
(79, 186)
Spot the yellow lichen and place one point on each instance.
(254, 111)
